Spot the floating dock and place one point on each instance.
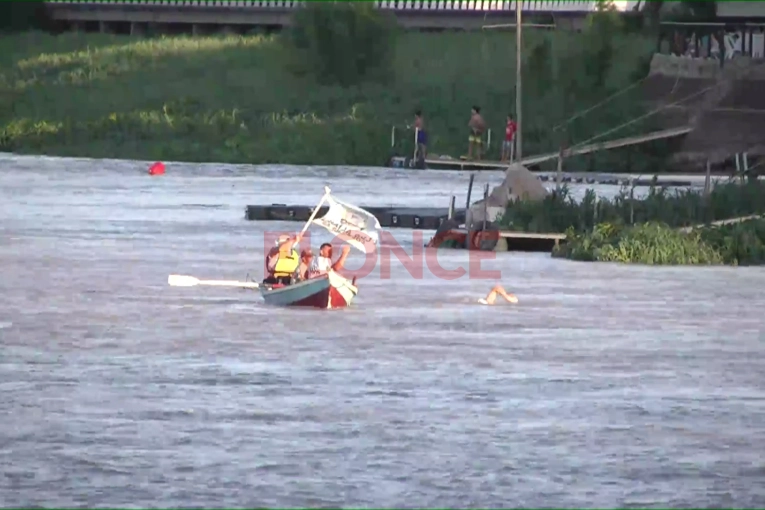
(449, 163)
(666, 181)
(573, 151)
(528, 241)
(499, 241)
(418, 218)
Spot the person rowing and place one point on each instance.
(282, 260)
(491, 297)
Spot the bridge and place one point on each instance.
(240, 15)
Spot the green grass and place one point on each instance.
(231, 99)
(659, 244)
(679, 208)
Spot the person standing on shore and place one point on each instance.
(477, 127)
(422, 137)
(508, 146)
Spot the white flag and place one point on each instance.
(352, 224)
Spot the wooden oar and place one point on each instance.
(179, 280)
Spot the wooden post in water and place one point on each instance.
(595, 211)
(470, 192)
(450, 214)
(708, 180)
(559, 172)
(485, 205)
(632, 201)
(518, 88)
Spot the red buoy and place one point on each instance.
(157, 168)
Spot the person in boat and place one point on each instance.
(477, 126)
(306, 256)
(323, 263)
(497, 290)
(282, 260)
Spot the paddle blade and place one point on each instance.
(179, 280)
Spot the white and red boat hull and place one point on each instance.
(327, 291)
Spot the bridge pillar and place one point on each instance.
(104, 27)
(137, 28)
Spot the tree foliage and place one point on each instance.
(587, 70)
(342, 43)
(20, 16)
(655, 11)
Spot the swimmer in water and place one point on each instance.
(491, 297)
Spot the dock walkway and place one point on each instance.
(418, 218)
(451, 163)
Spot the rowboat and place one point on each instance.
(331, 290)
(327, 291)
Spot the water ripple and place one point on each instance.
(606, 386)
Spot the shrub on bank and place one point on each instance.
(560, 212)
(659, 244)
(649, 243)
(345, 43)
(16, 16)
(740, 243)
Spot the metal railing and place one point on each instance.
(703, 40)
(549, 6)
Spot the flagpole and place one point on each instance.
(518, 107)
(315, 211)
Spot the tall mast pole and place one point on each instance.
(518, 90)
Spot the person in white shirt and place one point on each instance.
(323, 263)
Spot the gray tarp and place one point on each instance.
(519, 183)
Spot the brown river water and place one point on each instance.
(605, 386)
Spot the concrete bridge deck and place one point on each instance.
(413, 14)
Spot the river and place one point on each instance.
(605, 386)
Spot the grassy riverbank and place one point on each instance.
(231, 99)
(561, 213)
(654, 229)
(659, 244)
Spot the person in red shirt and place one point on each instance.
(508, 146)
